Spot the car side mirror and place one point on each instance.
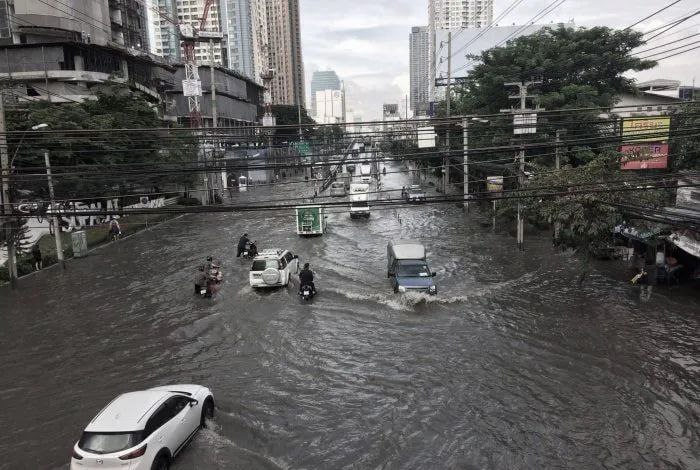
(296, 256)
(194, 403)
(434, 274)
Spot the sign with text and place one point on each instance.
(525, 123)
(646, 129)
(192, 88)
(644, 156)
(494, 184)
(426, 137)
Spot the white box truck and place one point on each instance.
(359, 200)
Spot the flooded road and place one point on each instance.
(512, 365)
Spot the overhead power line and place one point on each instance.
(653, 14)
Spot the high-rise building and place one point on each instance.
(244, 23)
(284, 49)
(119, 23)
(165, 37)
(419, 53)
(322, 80)
(330, 106)
(446, 14)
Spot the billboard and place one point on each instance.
(644, 156)
(646, 129)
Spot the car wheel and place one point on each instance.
(207, 412)
(162, 462)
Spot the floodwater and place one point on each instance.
(512, 365)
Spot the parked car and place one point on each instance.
(143, 430)
(407, 268)
(415, 194)
(338, 189)
(272, 268)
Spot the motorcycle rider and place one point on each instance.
(241, 244)
(306, 278)
(252, 249)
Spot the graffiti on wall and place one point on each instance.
(74, 221)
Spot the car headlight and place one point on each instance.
(402, 289)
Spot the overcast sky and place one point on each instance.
(366, 41)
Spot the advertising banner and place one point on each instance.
(646, 129)
(644, 156)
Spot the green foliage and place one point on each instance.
(102, 155)
(685, 145)
(586, 218)
(287, 115)
(579, 67)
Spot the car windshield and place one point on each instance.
(337, 185)
(359, 204)
(413, 270)
(263, 264)
(107, 443)
(415, 191)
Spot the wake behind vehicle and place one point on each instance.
(407, 268)
(273, 268)
(143, 430)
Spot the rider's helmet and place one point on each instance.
(209, 258)
(306, 265)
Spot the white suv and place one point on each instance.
(143, 430)
(273, 268)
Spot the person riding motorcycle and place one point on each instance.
(252, 249)
(306, 278)
(241, 244)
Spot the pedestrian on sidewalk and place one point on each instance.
(36, 254)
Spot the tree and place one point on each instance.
(99, 163)
(287, 115)
(579, 67)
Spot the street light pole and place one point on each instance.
(6, 204)
(57, 227)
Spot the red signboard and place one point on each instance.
(644, 156)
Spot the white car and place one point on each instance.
(143, 430)
(273, 268)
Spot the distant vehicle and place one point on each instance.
(338, 189)
(359, 200)
(272, 268)
(365, 172)
(407, 268)
(242, 183)
(415, 194)
(143, 430)
(345, 178)
(311, 220)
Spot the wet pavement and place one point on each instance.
(512, 365)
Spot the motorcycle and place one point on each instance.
(250, 251)
(206, 285)
(306, 292)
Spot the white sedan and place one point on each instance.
(143, 430)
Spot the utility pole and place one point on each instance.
(214, 113)
(448, 99)
(465, 164)
(57, 228)
(7, 205)
(557, 166)
(522, 96)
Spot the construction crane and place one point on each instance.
(190, 36)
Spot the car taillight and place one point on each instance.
(134, 454)
(77, 456)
